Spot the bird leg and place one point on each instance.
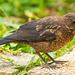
(50, 57)
(57, 62)
(43, 60)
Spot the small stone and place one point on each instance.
(7, 68)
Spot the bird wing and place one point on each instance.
(37, 30)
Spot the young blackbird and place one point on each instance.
(45, 35)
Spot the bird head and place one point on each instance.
(70, 20)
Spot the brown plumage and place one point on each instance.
(45, 35)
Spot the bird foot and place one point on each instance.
(58, 62)
(53, 66)
(49, 67)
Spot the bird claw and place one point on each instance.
(46, 66)
(49, 67)
(54, 66)
(58, 62)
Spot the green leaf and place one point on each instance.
(13, 74)
(24, 72)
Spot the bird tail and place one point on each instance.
(5, 40)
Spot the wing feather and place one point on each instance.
(38, 30)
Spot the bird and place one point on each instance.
(44, 35)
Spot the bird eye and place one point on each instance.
(73, 22)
